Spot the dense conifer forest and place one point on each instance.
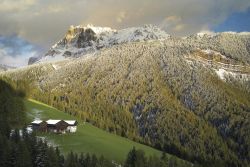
(18, 148)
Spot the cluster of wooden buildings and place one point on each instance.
(54, 126)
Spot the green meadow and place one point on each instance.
(87, 139)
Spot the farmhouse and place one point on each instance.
(39, 125)
(72, 126)
(55, 126)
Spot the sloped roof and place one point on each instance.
(70, 122)
(37, 122)
(53, 121)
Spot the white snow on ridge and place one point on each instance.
(222, 73)
(212, 52)
(97, 30)
(78, 42)
(208, 51)
(55, 58)
(236, 33)
(140, 33)
(56, 67)
(134, 34)
(206, 32)
(212, 34)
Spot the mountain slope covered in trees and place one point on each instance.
(169, 94)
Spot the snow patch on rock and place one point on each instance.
(222, 73)
(80, 40)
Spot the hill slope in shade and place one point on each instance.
(87, 139)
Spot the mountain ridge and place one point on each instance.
(81, 40)
(169, 94)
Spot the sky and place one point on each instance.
(30, 27)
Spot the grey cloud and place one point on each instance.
(44, 22)
(13, 5)
(15, 51)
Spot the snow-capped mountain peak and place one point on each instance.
(81, 40)
(99, 30)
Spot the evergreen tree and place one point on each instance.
(41, 159)
(53, 159)
(87, 160)
(154, 161)
(164, 160)
(23, 156)
(135, 158)
(71, 160)
(94, 161)
(131, 158)
(4, 150)
(81, 160)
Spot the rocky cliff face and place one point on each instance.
(80, 40)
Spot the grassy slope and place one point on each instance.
(87, 138)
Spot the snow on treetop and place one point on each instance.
(236, 33)
(206, 32)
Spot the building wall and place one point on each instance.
(72, 129)
(60, 127)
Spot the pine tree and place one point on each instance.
(41, 159)
(87, 160)
(71, 160)
(154, 161)
(53, 159)
(81, 160)
(94, 161)
(135, 158)
(23, 156)
(140, 158)
(131, 158)
(4, 151)
(60, 157)
(164, 160)
(12, 158)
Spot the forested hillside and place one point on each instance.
(152, 93)
(17, 147)
(22, 149)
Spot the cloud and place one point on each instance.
(15, 51)
(121, 16)
(18, 61)
(173, 19)
(179, 27)
(43, 22)
(13, 5)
